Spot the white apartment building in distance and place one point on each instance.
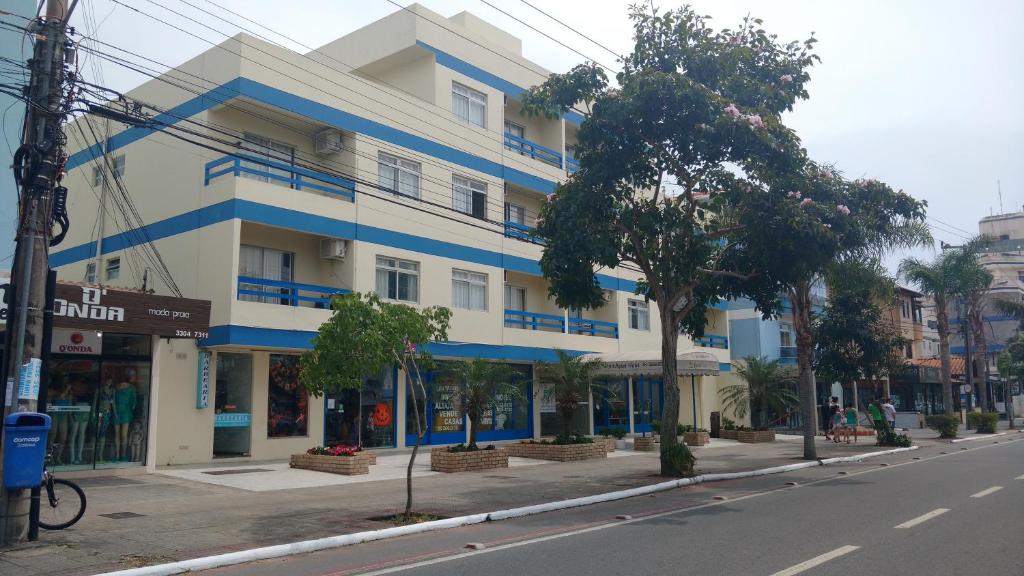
(394, 159)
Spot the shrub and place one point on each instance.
(618, 433)
(683, 429)
(888, 437)
(574, 439)
(946, 425)
(339, 450)
(986, 422)
(728, 423)
(656, 426)
(679, 460)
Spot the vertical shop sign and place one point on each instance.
(203, 381)
(28, 387)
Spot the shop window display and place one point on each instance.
(363, 417)
(288, 402)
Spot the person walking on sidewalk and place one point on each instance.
(836, 424)
(851, 423)
(889, 411)
(830, 420)
(875, 412)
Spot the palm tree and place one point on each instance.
(567, 383)
(767, 388)
(955, 272)
(480, 384)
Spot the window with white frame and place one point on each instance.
(97, 170)
(398, 175)
(113, 270)
(785, 334)
(268, 264)
(639, 315)
(90, 273)
(398, 279)
(469, 290)
(469, 197)
(469, 105)
(515, 298)
(515, 214)
(267, 151)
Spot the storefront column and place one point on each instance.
(159, 346)
(629, 404)
(538, 394)
(401, 399)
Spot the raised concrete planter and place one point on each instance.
(609, 442)
(755, 436)
(696, 438)
(558, 452)
(728, 434)
(441, 460)
(643, 444)
(347, 465)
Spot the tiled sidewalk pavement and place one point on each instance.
(174, 516)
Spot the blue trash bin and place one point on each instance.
(24, 449)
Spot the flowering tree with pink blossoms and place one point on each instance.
(689, 178)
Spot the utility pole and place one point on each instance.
(38, 163)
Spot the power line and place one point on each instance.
(549, 37)
(581, 34)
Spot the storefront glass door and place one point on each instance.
(439, 410)
(648, 398)
(232, 420)
(510, 417)
(611, 405)
(362, 417)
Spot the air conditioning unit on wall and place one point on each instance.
(329, 141)
(333, 249)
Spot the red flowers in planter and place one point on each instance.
(339, 450)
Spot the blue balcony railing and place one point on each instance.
(287, 174)
(571, 164)
(593, 327)
(713, 341)
(787, 351)
(532, 149)
(287, 293)
(534, 321)
(521, 232)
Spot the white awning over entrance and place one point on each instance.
(648, 363)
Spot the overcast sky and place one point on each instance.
(925, 95)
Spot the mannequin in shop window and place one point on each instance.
(78, 421)
(104, 418)
(60, 400)
(125, 398)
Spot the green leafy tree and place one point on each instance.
(480, 384)
(567, 383)
(1011, 367)
(766, 391)
(363, 336)
(673, 166)
(854, 341)
(952, 274)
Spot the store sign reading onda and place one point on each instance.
(102, 309)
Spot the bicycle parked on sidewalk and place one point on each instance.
(62, 502)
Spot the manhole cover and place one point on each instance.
(122, 515)
(237, 471)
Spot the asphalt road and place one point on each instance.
(956, 513)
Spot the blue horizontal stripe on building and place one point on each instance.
(249, 211)
(250, 336)
(322, 113)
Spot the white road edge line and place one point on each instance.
(986, 492)
(923, 518)
(817, 561)
(306, 546)
(1021, 477)
(978, 437)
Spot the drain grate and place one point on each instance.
(500, 477)
(122, 515)
(236, 471)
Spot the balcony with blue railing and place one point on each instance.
(560, 323)
(521, 232)
(713, 341)
(787, 355)
(571, 164)
(280, 292)
(533, 150)
(295, 177)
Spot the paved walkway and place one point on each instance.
(182, 513)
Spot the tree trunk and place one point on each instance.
(670, 383)
(977, 326)
(800, 296)
(419, 438)
(474, 419)
(567, 415)
(942, 327)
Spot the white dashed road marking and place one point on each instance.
(986, 492)
(817, 561)
(923, 518)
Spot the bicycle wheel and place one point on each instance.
(61, 504)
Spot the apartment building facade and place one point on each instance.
(393, 160)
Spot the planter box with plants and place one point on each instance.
(698, 438)
(614, 436)
(346, 460)
(755, 436)
(461, 458)
(643, 443)
(560, 450)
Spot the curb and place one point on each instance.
(981, 437)
(305, 546)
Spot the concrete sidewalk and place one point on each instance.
(183, 513)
